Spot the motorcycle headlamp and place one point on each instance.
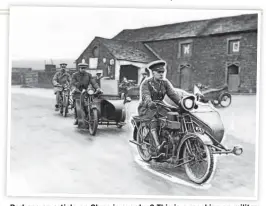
(188, 103)
(90, 92)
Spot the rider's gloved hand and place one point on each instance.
(152, 105)
(99, 91)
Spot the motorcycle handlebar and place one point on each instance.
(62, 86)
(167, 107)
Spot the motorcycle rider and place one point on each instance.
(123, 86)
(154, 89)
(60, 78)
(81, 80)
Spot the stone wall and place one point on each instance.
(210, 59)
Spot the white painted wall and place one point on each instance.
(94, 71)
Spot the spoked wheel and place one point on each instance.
(93, 125)
(225, 99)
(142, 137)
(65, 105)
(200, 160)
(61, 105)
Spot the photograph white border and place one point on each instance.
(147, 196)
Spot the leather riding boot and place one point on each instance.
(156, 140)
(56, 107)
(76, 116)
(57, 101)
(57, 98)
(76, 122)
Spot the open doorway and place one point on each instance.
(130, 72)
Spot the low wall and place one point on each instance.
(40, 79)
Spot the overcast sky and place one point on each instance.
(64, 32)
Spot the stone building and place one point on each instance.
(214, 52)
(116, 59)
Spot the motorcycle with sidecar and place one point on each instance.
(193, 132)
(95, 109)
(217, 96)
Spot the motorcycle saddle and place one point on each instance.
(138, 119)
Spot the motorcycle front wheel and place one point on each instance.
(143, 147)
(61, 104)
(65, 105)
(200, 161)
(93, 125)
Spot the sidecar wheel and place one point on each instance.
(225, 100)
(94, 124)
(202, 167)
(215, 102)
(144, 148)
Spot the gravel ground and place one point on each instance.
(48, 155)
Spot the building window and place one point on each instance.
(93, 63)
(185, 49)
(95, 51)
(233, 46)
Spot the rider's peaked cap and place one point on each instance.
(63, 64)
(158, 65)
(83, 64)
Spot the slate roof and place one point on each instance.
(131, 51)
(247, 22)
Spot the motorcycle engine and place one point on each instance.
(86, 101)
(171, 137)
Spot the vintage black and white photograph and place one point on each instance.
(133, 102)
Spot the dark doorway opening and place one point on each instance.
(130, 72)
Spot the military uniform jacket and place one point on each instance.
(83, 80)
(152, 90)
(61, 78)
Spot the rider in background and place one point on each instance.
(81, 80)
(60, 78)
(98, 78)
(154, 89)
(123, 86)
